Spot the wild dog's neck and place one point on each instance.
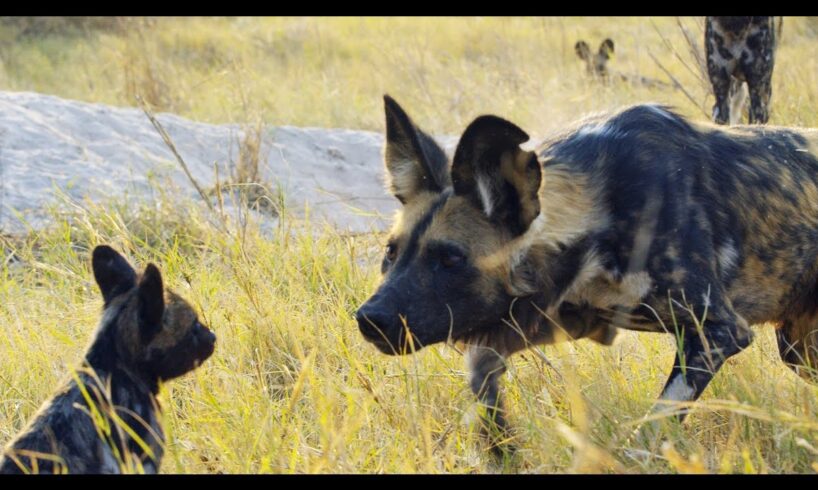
(549, 270)
(569, 207)
(116, 388)
(104, 358)
(540, 260)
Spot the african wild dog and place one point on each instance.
(741, 49)
(596, 66)
(106, 418)
(638, 220)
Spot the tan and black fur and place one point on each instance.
(741, 50)
(596, 66)
(639, 220)
(105, 418)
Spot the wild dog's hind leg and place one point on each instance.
(720, 80)
(718, 60)
(758, 70)
(486, 366)
(761, 90)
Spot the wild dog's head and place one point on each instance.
(596, 63)
(155, 333)
(441, 279)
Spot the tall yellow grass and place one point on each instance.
(292, 386)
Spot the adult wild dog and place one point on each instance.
(106, 417)
(638, 220)
(741, 50)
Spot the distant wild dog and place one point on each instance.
(105, 419)
(639, 220)
(596, 65)
(739, 50)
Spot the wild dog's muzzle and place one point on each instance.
(382, 324)
(205, 342)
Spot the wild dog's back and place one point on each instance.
(750, 192)
(64, 438)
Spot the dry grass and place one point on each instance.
(292, 386)
(332, 72)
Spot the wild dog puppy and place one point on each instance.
(739, 50)
(596, 66)
(639, 220)
(105, 419)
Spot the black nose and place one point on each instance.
(205, 335)
(371, 322)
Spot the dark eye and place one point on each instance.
(451, 258)
(391, 252)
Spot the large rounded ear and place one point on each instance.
(114, 275)
(606, 49)
(151, 301)
(496, 175)
(414, 162)
(583, 50)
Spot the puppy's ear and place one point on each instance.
(151, 302)
(114, 275)
(606, 49)
(583, 50)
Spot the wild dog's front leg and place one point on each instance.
(486, 361)
(486, 366)
(701, 355)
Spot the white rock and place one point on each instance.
(99, 151)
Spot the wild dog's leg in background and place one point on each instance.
(717, 71)
(761, 90)
(720, 80)
(486, 365)
(758, 69)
